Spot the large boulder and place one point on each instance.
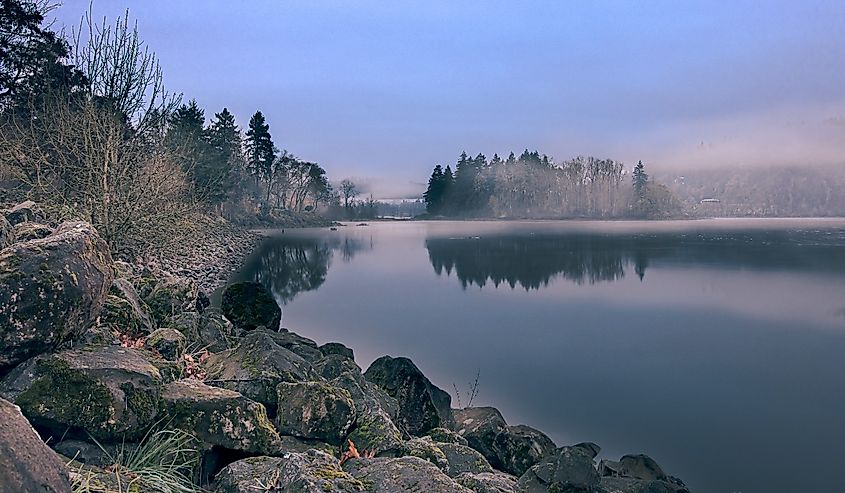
(315, 410)
(307, 472)
(422, 406)
(568, 470)
(51, 290)
(480, 426)
(111, 393)
(519, 447)
(29, 231)
(170, 297)
(219, 417)
(638, 473)
(338, 349)
(389, 475)
(7, 233)
(26, 463)
(374, 428)
(488, 482)
(512, 449)
(124, 311)
(249, 305)
(257, 366)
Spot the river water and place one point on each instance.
(715, 346)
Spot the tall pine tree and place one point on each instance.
(261, 152)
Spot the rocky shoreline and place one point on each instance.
(107, 362)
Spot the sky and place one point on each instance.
(380, 92)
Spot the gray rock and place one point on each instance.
(389, 475)
(257, 366)
(374, 428)
(315, 410)
(170, 297)
(304, 347)
(29, 231)
(512, 449)
(169, 343)
(215, 332)
(444, 435)
(111, 393)
(519, 447)
(488, 482)
(219, 417)
(26, 463)
(631, 485)
(641, 466)
(480, 426)
(51, 290)
(249, 305)
(124, 311)
(422, 406)
(568, 470)
(307, 472)
(334, 365)
(463, 459)
(27, 211)
(337, 348)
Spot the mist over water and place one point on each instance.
(713, 346)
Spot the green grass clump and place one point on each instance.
(164, 462)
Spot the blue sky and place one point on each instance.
(382, 91)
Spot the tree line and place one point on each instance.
(533, 185)
(88, 129)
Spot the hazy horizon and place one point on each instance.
(381, 93)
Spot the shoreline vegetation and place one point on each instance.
(136, 383)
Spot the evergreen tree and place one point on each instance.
(261, 153)
(433, 195)
(30, 54)
(640, 183)
(226, 154)
(186, 137)
(640, 178)
(447, 201)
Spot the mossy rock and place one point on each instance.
(219, 417)
(257, 366)
(307, 472)
(422, 405)
(488, 482)
(402, 474)
(124, 311)
(111, 393)
(51, 290)
(567, 469)
(444, 435)
(170, 297)
(315, 410)
(169, 343)
(249, 305)
(374, 429)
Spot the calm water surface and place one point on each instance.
(717, 347)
